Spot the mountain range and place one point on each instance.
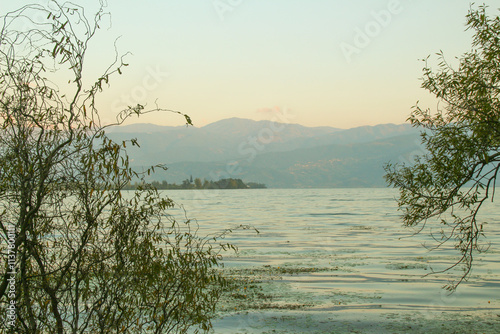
(277, 154)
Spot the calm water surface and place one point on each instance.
(342, 255)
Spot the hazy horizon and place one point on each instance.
(276, 120)
(336, 63)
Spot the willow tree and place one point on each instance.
(449, 184)
(77, 254)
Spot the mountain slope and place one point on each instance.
(234, 138)
(218, 141)
(350, 158)
(279, 155)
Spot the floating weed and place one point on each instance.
(361, 228)
(259, 288)
(406, 266)
(281, 306)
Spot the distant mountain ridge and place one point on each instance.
(277, 154)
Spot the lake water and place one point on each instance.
(338, 260)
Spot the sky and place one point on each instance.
(313, 62)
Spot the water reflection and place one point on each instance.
(352, 244)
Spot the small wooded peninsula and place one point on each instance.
(197, 183)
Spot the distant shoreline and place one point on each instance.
(198, 184)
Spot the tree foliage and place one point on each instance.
(205, 184)
(77, 254)
(449, 184)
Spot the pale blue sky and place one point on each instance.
(215, 59)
